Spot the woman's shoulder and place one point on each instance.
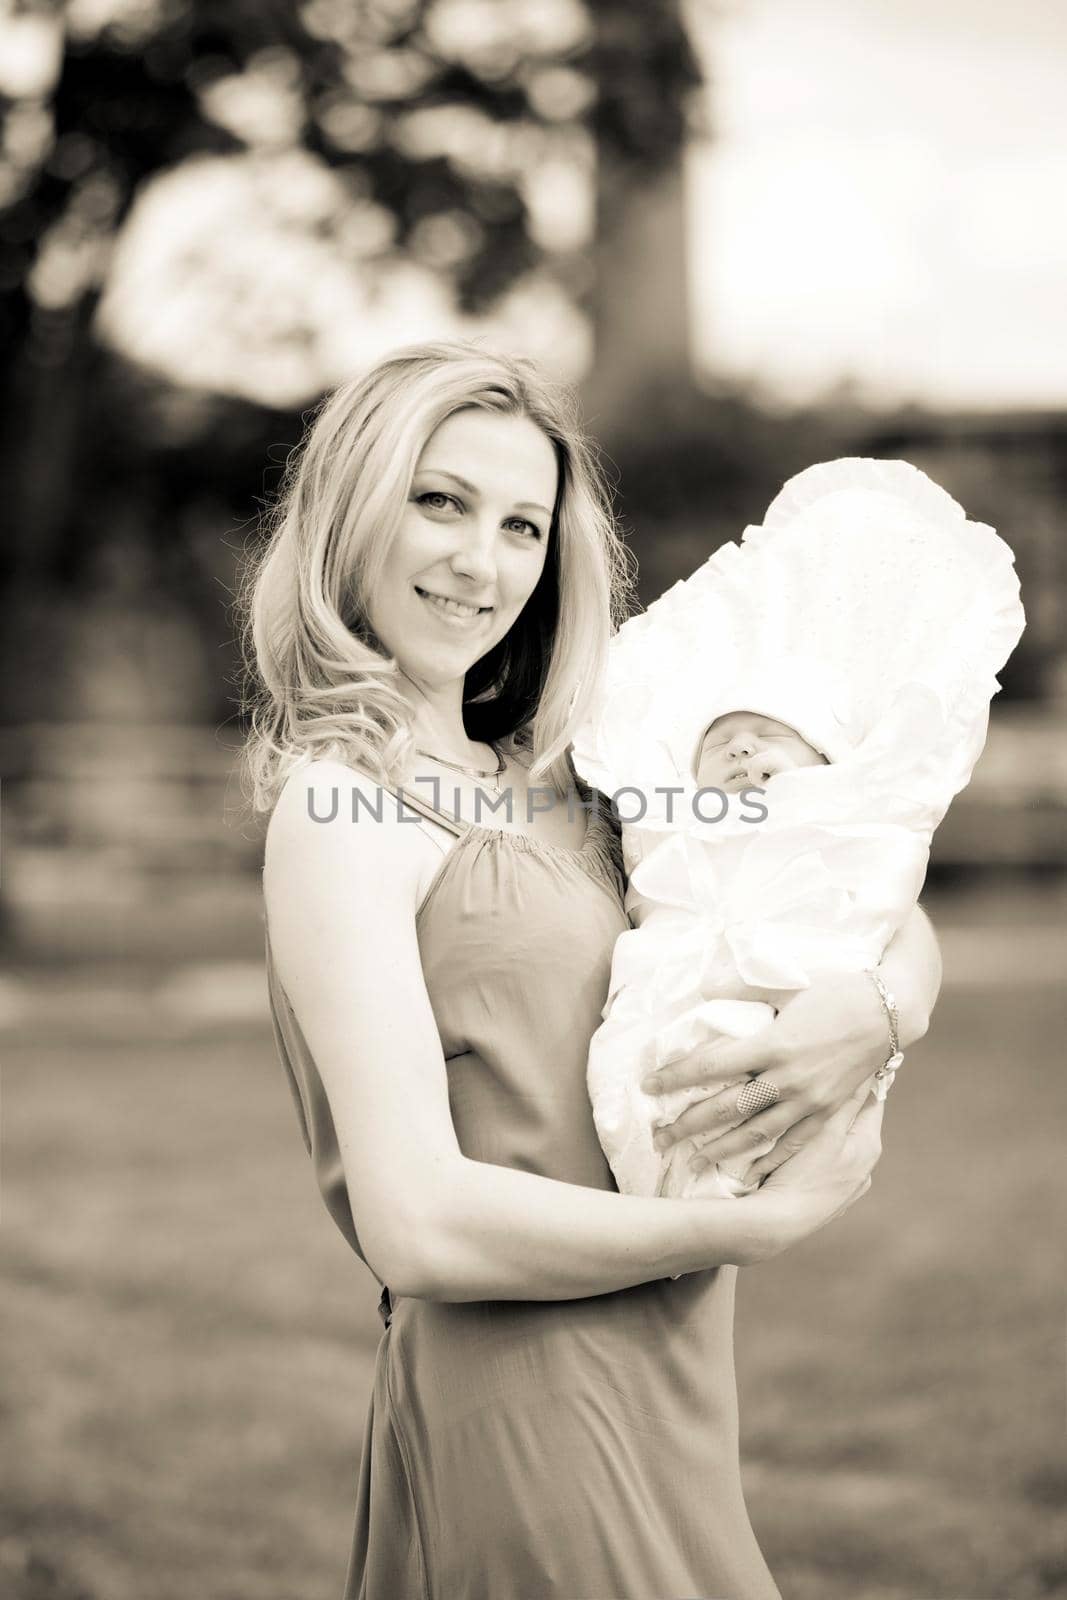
(331, 817)
(315, 788)
(325, 774)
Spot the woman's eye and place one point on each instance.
(437, 500)
(521, 522)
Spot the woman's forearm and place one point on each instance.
(501, 1234)
(911, 969)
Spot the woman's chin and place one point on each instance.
(440, 661)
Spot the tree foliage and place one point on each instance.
(358, 82)
(429, 109)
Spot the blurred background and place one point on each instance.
(756, 234)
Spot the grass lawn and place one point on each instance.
(192, 1342)
(902, 1373)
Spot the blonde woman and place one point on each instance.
(554, 1409)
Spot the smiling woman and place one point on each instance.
(554, 1410)
(447, 479)
(465, 555)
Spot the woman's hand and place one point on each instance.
(826, 1043)
(822, 1049)
(830, 1172)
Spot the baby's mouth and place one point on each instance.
(738, 782)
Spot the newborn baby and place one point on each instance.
(740, 751)
(743, 750)
(795, 719)
(655, 1011)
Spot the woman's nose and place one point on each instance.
(475, 559)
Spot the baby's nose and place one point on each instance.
(763, 764)
(741, 748)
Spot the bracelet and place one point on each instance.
(883, 1078)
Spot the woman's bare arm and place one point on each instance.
(341, 900)
(911, 970)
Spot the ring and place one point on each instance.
(757, 1095)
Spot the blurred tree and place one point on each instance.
(455, 121)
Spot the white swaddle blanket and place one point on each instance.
(871, 616)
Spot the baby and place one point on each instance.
(743, 750)
(796, 718)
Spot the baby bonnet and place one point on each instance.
(866, 609)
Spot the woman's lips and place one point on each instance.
(453, 611)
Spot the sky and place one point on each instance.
(883, 203)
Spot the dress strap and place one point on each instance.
(411, 800)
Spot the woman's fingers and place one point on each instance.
(711, 1116)
(709, 1067)
(863, 1141)
(790, 1143)
(866, 1125)
(860, 1101)
(717, 1114)
(740, 1140)
(859, 1117)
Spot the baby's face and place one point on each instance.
(744, 751)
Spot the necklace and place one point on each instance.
(493, 774)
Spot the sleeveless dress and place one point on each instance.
(581, 1449)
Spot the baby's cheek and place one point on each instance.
(802, 755)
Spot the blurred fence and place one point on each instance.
(123, 840)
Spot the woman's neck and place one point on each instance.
(437, 723)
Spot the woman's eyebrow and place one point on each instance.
(465, 483)
(454, 477)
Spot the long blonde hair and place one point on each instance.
(317, 681)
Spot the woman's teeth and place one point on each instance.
(452, 608)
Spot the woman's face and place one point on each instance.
(742, 750)
(471, 545)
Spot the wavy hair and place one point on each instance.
(317, 681)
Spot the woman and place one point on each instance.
(554, 1407)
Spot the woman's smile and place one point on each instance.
(453, 611)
